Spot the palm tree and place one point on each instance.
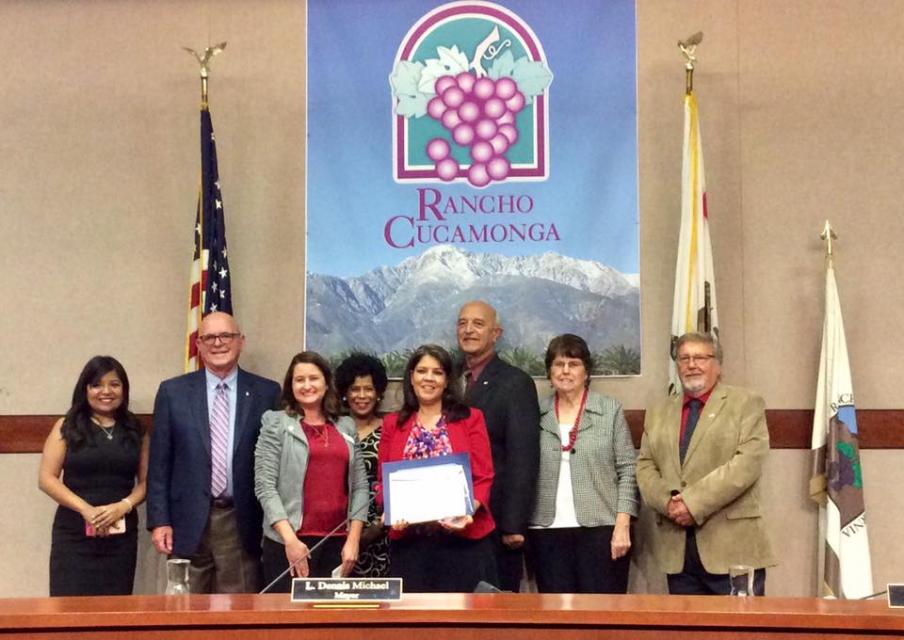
(617, 361)
(395, 362)
(526, 360)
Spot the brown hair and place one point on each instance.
(330, 402)
(569, 345)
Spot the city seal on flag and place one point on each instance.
(470, 90)
(844, 474)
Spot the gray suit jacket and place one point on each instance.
(280, 463)
(602, 466)
(719, 480)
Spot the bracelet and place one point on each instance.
(128, 502)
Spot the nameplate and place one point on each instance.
(896, 595)
(346, 589)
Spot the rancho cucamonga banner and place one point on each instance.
(472, 150)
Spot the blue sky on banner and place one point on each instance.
(591, 192)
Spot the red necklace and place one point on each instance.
(573, 434)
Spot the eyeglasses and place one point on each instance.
(224, 338)
(562, 364)
(696, 359)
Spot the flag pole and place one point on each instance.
(819, 492)
(204, 61)
(688, 48)
(845, 567)
(694, 303)
(197, 286)
(828, 234)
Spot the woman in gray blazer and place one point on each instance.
(309, 478)
(580, 529)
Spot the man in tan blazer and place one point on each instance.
(699, 467)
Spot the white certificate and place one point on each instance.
(427, 490)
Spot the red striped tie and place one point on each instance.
(219, 439)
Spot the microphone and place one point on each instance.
(311, 550)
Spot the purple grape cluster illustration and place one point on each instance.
(479, 113)
(478, 99)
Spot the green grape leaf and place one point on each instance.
(450, 62)
(502, 66)
(405, 78)
(412, 106)
(532, 78)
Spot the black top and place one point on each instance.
(101, 471)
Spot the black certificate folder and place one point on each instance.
(427, 490)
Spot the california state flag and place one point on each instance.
(837, 481)
(695, 285)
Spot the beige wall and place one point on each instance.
(801, 121)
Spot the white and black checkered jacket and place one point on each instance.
(602, 465)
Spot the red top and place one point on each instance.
(468, 435)
(477, 368)
(325, 490)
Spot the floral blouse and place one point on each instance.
(427, 443)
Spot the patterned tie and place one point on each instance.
(693, 414)
(219, 439)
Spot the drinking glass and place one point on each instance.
(741, 579)
(177, 576)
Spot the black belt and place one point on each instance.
(222, 503)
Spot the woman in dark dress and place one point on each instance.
(94, 465)
(361, 382)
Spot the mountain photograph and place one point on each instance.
(389, 311)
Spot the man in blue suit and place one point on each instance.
(201, 503)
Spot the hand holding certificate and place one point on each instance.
(429, 490)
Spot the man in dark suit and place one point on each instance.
(699, 467)
(508, 398)
(201, 503)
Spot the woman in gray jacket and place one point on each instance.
(309, 478)
(580, 530)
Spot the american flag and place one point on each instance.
(209, 285)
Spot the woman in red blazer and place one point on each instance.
(455, 554)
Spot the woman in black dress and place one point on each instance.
(101, 451)
(361, 381)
